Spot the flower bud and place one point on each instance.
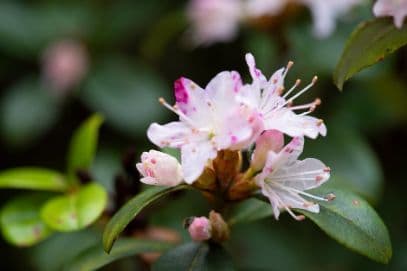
(220, 229)
(200, 229)
(271, 140)
(159, 168)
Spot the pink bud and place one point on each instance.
(200, 229)
(271, 140)
(159, 168)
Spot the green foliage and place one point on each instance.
(27, 111)
(95, 257)
(130, 210)
(195, 257)
(125, 94)
(83, 145)
(75, 210)
(369, 43)
(351, 221)
(33, 179)
(248, 211)
(20, 220)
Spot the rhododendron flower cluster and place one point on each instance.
(218, 20)
(394, 8)
(216, 123)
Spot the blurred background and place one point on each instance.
(60, 61)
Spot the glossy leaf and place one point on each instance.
(32, 179)
(83, 145)
(130, 210)
(95, 258)
(369, 43)
(20, 220)
(76, 210)
(195, 257)
(351, 221)
(248, 211)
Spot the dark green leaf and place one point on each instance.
(20, 220)
(195, 257)
(130, 210)
(248, 211)
(33, 179)
(27, 111)
(83, 145)
(95, 257)
(369, 43)
(126, 95)
(76, 210)
(351, 221)
(61, 248)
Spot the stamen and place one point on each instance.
(297, 83)
(296, 217)
(314, 80)
(314, 104)
(287, 68)
(330, 196)
(175, 109)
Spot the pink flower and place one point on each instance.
(285, 178)
(159, 168)
(325, 13)
(266, 97)
(395, 8)
(200, 229)
(258, 8)
(214, 20)
(65, 63)
(210, 120)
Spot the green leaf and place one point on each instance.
(351, 221)
(20, 220)
(369, 43)
(76, 210)
(27, 111)
(195, 257)
(248, 211)
(130, 210)
(83, 145)
(33, 179)
(126, 94)
(95, 258)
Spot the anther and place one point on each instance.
(330, 197)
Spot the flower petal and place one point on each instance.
(191, 100)
(194, 158)
(173, 134)
(256, 74)
(292, 124)
(302, 175)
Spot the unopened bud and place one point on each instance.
(159, 168)
(220, 229)
(200, 229)
(271, 140)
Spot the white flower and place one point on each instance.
(209, 120)
(159, 168)
(214, 20)
(285, 178)
(258, 8)
(395, 8)
(276, 110)
(325, 13)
